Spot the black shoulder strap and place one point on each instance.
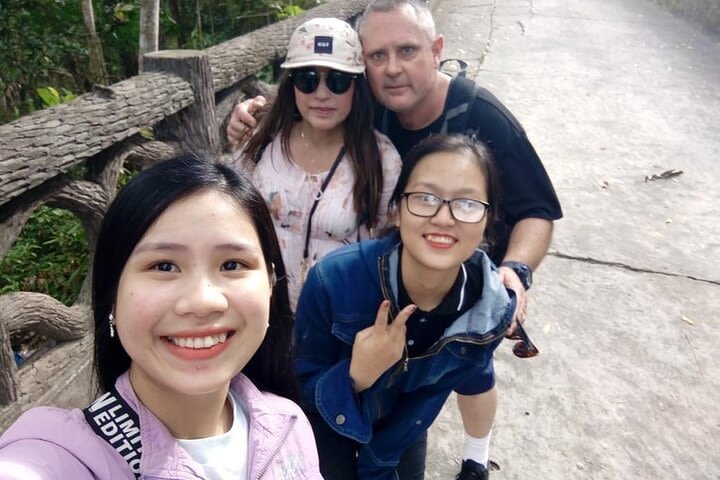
(316, 200)
(305, 262)
(112, 419)
(462, 93)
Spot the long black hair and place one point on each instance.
(359, 138)
(459, 144)
(135, 209)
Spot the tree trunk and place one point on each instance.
(177, 15)
(195, 126)
(9, 382)
(97, 62)
(149, 28)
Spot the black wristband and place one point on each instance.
(522, 270)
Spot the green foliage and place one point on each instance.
(127, 173)
(50, 96)
(117, 26)
(44, 42)
(147, 133)
(289, 11)
(50, 256)
(41, 43)
(266, 74)
(121, 12)
(44, 59)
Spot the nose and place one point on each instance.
(322, 92)
(392, 68)
(201, 298)
(443, 216)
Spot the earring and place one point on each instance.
(273, 277)
(111, 319)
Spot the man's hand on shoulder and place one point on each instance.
(243, 122)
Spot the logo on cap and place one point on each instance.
(323, 44)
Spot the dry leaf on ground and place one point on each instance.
(664, 175)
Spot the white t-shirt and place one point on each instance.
(223, 456)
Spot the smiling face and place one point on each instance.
(401, 59)
(193, 299)
(323, 109)
(440, 244)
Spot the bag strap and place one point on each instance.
(467, 96)
(113, 420)
(306, 249)
(464, 93)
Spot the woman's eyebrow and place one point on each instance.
(435, 187)
(238, 246)
(161, 246)
(170, 246)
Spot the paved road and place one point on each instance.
(626, 309)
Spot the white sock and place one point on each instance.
(477, 449)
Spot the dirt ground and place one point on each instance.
(626, 308)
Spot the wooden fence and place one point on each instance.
(100, 131)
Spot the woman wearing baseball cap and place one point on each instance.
(325, 173)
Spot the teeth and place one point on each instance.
(198, 342)
(439, 239)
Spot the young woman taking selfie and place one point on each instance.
(192, 344)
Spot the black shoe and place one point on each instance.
(471, 470)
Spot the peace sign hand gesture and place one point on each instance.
(378, 347)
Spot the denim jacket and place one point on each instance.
(54, 443)
(341, 297)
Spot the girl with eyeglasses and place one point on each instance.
(325, 173)
(386, 329)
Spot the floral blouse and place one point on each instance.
(290, 191)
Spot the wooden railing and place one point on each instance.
(179, 89)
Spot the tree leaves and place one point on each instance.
(51, 97)
(121, 10)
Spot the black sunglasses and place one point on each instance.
(525, 347)
(307, 80)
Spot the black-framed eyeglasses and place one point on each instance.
(465, 210)
(307, 80)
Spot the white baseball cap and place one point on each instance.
(325, 42)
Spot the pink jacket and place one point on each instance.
(53, 443)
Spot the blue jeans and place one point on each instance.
(337, 454)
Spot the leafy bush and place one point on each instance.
(41, 43)
(44, 42)
(50, 256)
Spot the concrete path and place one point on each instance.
(626, 309)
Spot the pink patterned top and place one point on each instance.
(289, 192)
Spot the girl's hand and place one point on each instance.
(379, 346)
